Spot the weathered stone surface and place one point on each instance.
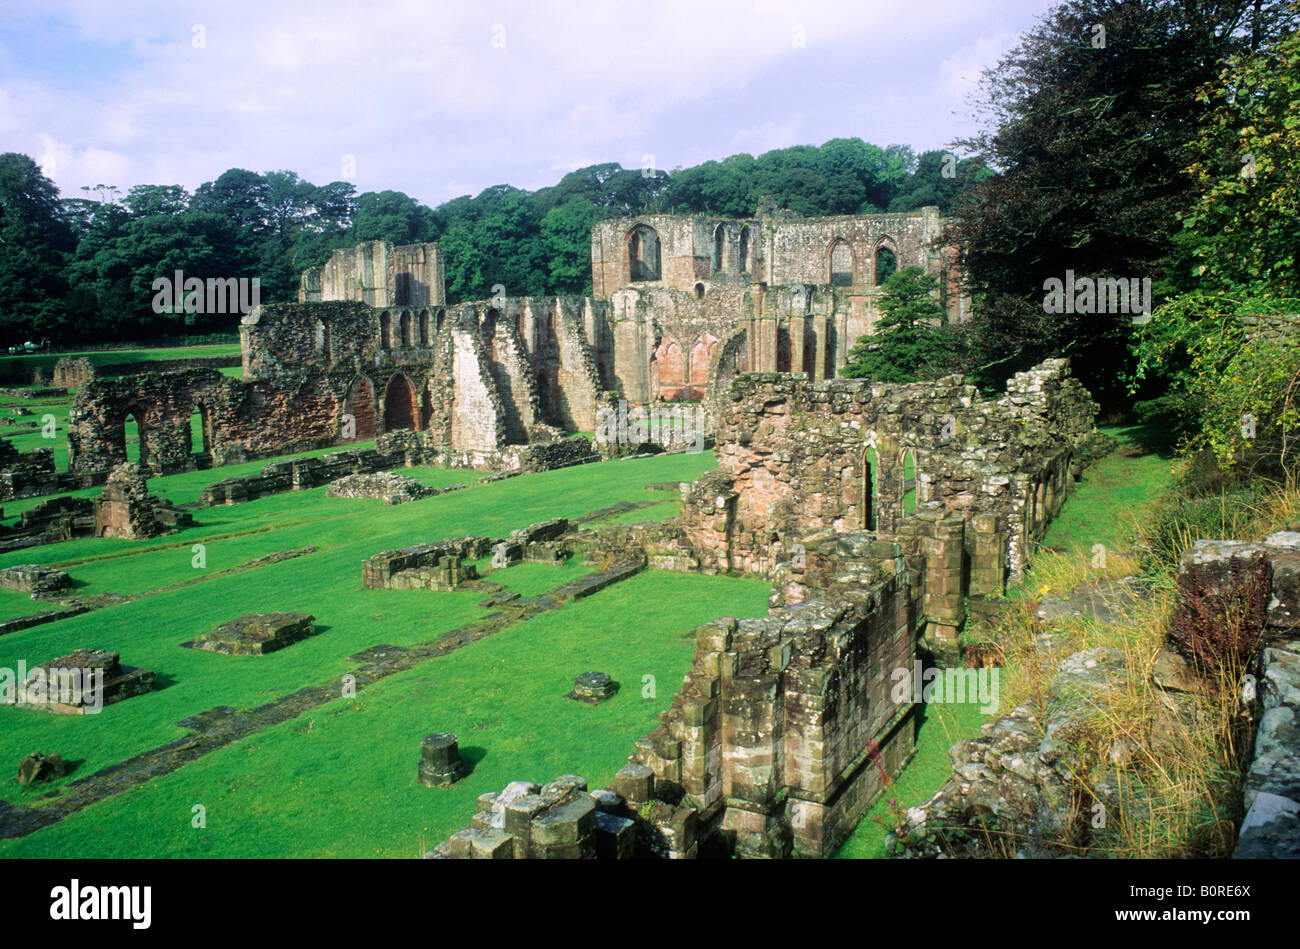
(26, 474)
(386, 486)
(256, 634)
(37, 767)
(35, 579)
(82, 682)
(126, 509)
(592, 688)
(440, 762)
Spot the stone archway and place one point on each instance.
(698, 379)
(670, 366)
(400, 406)
(360, 405)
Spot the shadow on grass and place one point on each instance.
(1148, 438)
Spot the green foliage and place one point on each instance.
(1230, 392)
(911, 341)
(1247, 168)
(34, 240)
(1092, 143)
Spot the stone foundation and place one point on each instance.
(81, 683)
(257, 634)
(35, 579)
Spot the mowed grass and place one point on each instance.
(340, 780)
(637, 628)
(1110, 499)
(941, 727)
(101, 357)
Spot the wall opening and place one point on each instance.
(134, 438)
(744, 250)
(385, 331)
(643, 253)
(870, 465)
(699, 291)
(426, 338)
(360, 407)
(841, 264)
(399, 405)
(407, 339)
(909, 483)
(200, 431)
(886, 264)
(719, 249)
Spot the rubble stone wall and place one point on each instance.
(796, 457)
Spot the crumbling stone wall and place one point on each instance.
(772, 276)
(797, 457)
(26, 474)
(378, 274)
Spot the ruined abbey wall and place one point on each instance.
(378, 274)
(796, 457)
(803, 290)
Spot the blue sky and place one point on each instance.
(442, 97)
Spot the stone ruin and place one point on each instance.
(592, 688)
(35, 579)
(81, 683)
(385, 486)
(50, 522)
(441, 566)
(524, 821)
(966, 485)
(440, 764)
(681, 306)
(26, 474)
(37, 768)
(256, 634)
(876, 511)
(126, 509)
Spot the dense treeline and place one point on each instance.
(77, 269)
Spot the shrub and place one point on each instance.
(1219, 618)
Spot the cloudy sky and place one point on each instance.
(444, 97)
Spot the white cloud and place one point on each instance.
(417, 92)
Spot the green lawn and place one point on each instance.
(101, 357)
(941, 727)
(342, 783)
(1113, 492)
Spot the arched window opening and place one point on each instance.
(671, 366)
(407, 340)
(841, 264)
(886, 264)
(909, 483)
(399, 405)
(359, 411)
(134, 440)
(643, 254)
(870, 465)
(200, 431)
(744, 250)
(699, 291)
(385, 331)
(426, 338)
(719, 249)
